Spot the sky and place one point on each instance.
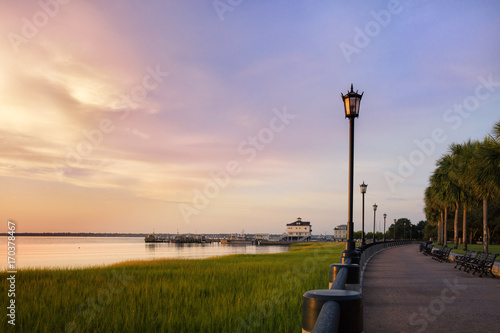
(226, 116)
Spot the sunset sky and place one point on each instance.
(223, 116)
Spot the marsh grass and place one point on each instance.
(238, 293)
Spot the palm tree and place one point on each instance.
(484, 176)
(462, 155)
(496, 131)
(432, 210)
(441, 189)
(470, 172)
(453, 191)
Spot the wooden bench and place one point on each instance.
(442, 254)
(483, 264)
(461, 261)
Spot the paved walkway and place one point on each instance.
(405, 291)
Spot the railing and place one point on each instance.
(340, 308)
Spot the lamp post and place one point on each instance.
(363, 191)
(374, 211)
(351, 108)
(394, 229)
(385, 215)
(404, 231)
(411, 234)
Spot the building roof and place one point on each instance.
(299, 222)
(340, 227)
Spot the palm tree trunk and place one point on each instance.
(445, 227)
(455, 225)
(464, 232)
(485, 225)
(440, 230)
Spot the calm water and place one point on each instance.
(72, 252)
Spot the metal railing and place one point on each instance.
(338, 309)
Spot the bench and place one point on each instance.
(476, 261)
(483, 264)
(461, 261)
(426, 248)
(442, 254)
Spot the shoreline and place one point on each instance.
(89, 259)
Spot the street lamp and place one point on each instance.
(351, 107)
(363, 191)
(385, 215)
(404, 231)
(374, 211)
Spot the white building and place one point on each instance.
(340, 232)
(298, 230)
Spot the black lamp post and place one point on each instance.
(374, 212)
(351, 108)
(363, 191)
(404, 231)
(385, 215)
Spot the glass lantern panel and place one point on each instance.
(347, 107)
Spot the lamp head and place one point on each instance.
(363, 187)
(351, 103)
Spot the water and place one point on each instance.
(74, 252)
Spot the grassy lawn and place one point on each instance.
(477, 248)
(238, 293)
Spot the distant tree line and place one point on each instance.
(403, 229)
(78, 234)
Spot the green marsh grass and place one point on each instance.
(237, 293)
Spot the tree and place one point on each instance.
(441, 184)
(452, 193)
(432, 214)
(469, 172)
(484, 176)
(418, 230)
(462, 155)
(400, 229)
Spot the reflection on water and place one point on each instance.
(72, 252)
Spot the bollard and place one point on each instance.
(353, 275)
(351, 309)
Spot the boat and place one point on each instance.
(237, 239)
(190, 239)
(152, 238)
